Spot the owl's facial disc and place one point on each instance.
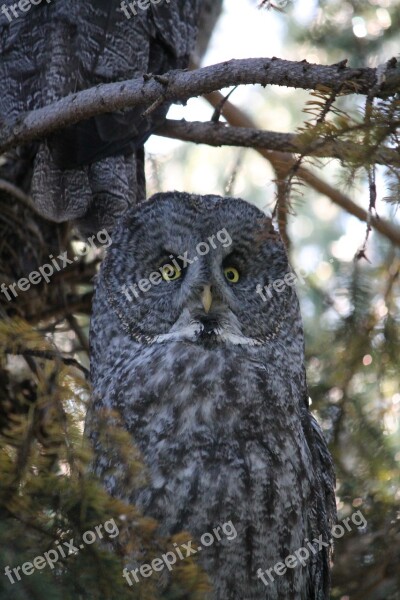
(189, 269)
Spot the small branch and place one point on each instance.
(282, 208)
(73, 304)
(78, 332)
(179, 86)
(384, 227)
(16, 192)
(219, 134)
(48, 355)
(283, 161)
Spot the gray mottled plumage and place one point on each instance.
(217, 403)
(93, 171)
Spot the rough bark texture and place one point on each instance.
(179, 86)
(218, 134)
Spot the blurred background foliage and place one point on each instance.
(351, 316)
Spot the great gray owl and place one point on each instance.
(90, 172)
(209, 380)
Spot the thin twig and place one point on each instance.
(48, 355)
(281, 160)
(13, 190)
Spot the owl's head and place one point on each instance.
(198, 269)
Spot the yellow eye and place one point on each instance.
(231, 274)
(170, 272)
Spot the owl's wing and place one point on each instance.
(324, 508)
(93, 170)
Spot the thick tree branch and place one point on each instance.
(282, 162)
(179, 86)
(218, 134)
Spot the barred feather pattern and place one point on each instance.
(93, 171)
(223, 427)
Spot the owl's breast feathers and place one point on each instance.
(226, 435)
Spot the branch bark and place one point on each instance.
(219, 134)
(179, 86)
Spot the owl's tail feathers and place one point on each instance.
(93, 196)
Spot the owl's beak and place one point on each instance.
(206, 298)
